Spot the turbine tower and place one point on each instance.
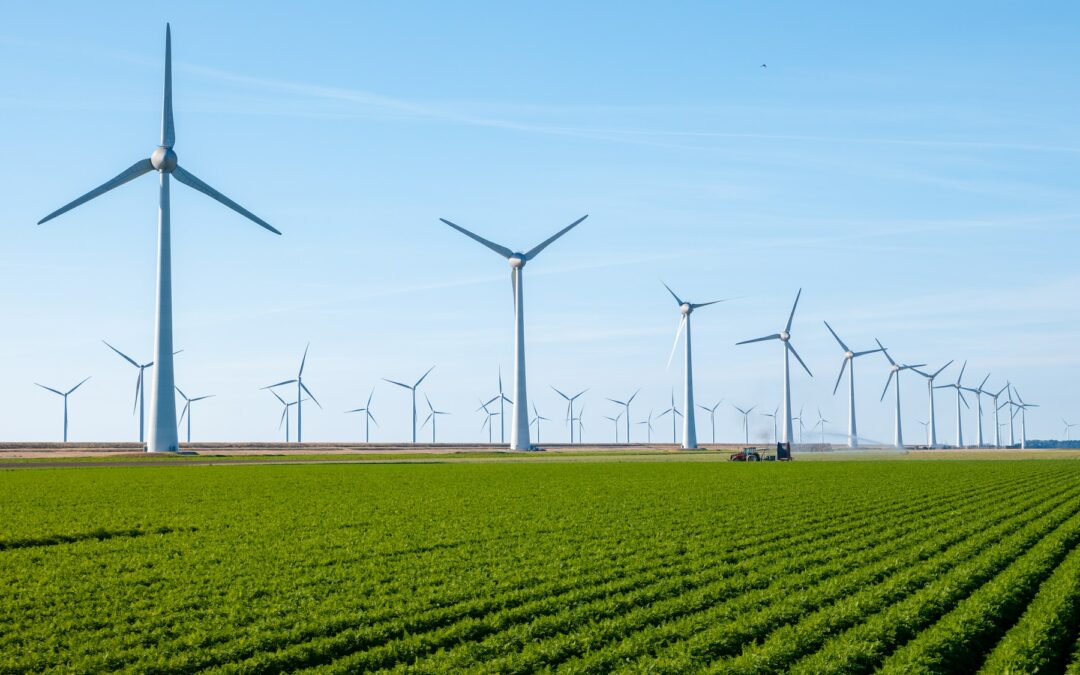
(849, 363)
(626, 404)
(930, 390)
(64, 395)
(301, 389)
(570, 409)
(1012, 413)
(895, 370)
(959, 399)
(712, 418)
(686, 308)
(997, 408)
(187, 409)
(368, 416)
(412, 390)
(163, 433)
(139, 390)
(674, 412)
(978, 391)
(519, 423)
(784, 337)
(432, 416)
(1023, 418)
(745, 421)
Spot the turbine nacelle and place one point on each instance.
(686, 308)
(517, 261)
(163, 159)
(784, 336)
(849, 355)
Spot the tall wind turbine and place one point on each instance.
(537, 420)
(849, 363)
(712, 418)
(626, 404)
(432, 417)
(187, 409)
(997, 409)
(1023, 418)
(412, 390)
(978, 391)
(687, 308)
(488, 414)
(570, 409)
(284, 413)
(930, 390)
(745, 421)
(648, 427)
(163, 433)
(821, 422)
(64, 395)
(784, 337)
(139, 391)
(959, 399)
(368, 416)
(894, 371)
(675, 413)
(519, 424)
(615, 421)
(774, 414)
(301, 389)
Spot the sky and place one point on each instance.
(912, 167)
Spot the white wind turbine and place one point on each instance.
(774, 414)
(849, 364)
(1023, 418)
(301, 389)
(930, 390)
(284, 413)
(368, 416)
(488, 414)
(64, 395)
(502, 410)
(712, 418)
(821, 422)
(959, 399)
(1012, 413)
(626, 404)
(978, 391)
(926, 428)
(687, 308)
(745, 421)
(784, 337)
(519, 423)
(187, 409)
(615, 421)
(894, 372)
(570, 410)
(1068, 428)
(648, 427)
(674, 412)
(432, 417)
(997, 408)
(537, 419)
(139, 393)
(412, 390)
(163, 435)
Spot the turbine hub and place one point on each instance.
(849, 355)
(896, 369)
(163, 159)
(785, 336)
(517, 261)
(685, 308)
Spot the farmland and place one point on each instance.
(517, 567)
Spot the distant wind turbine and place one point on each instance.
(615, 421)
(187, 409)
(433, 414)
(926, 428)
(712, 418)
(849, 364)
(821, 422)
(570, 409)
(139, 392)
(368, 416)
(626, 404)
(687, 308)
(536, 420)
(502, 410)
(784, 337)
(1023, 418)
(412, 390)
(745, 421)
(978, 391)
(301, 389)
(519, 424)
(774, 414)
(163, 431)
(284, 413)
(648, 427)
(894, 372)
(997, 409)
(959, 399)
(930, 390)
(64, 395)
(488, 414)
(674, 412)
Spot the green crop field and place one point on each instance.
(899, 567)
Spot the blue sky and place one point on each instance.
(912, 168)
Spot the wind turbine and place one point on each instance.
(774, 414)
(412, 389)
(674, 412)
(648, 427)
(784, 337)
(686, 308)
(1023, 418)
(745, 421)
(284, 413)
(64, 395)
(501, 398)
(1012, 414)
(432, 415)
(301, 389)
(187, 409)
(959, 399)
(821, 422)
(163, 432)
(519, 424)
(536, 420)
(978, 391)
(615, 421)
(849, 363)
(802, 425)
(580, 424)
(712, 417)
(139, 393)
(626, 405)
(570, 409)
(930, 390)
(368, 416)
(997, 408)
(894, 371)
(488, 414)
(926, 428)
(1068, 428)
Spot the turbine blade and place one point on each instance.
(501, 250)
(122, 354)
(535, 251)
(961, 395)
(938, 372)
(168, 132)
(962, 369)
(303, 359)
(856, 355)
(887, 383)
(369, 397)
(277, 397)
(203, 398)
(428, 400)
(58, 393)
(182, 395)
(787, 328)
(842, 345)
(675, 345)
(372, 417)
(885, 351)
(84, 382)
(131, 173)
(138, 388)
(799, 359)
(699, 305)
(278, 384)
(398, 383)
(183, 412)
(774, 336)
(631, 399)
(843, 366)
(189, 179)
(983, 383)
(423, 376)
(678, 300)
(308, 392)
(283, 414)
(561, 394)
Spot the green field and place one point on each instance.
(581, 566)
